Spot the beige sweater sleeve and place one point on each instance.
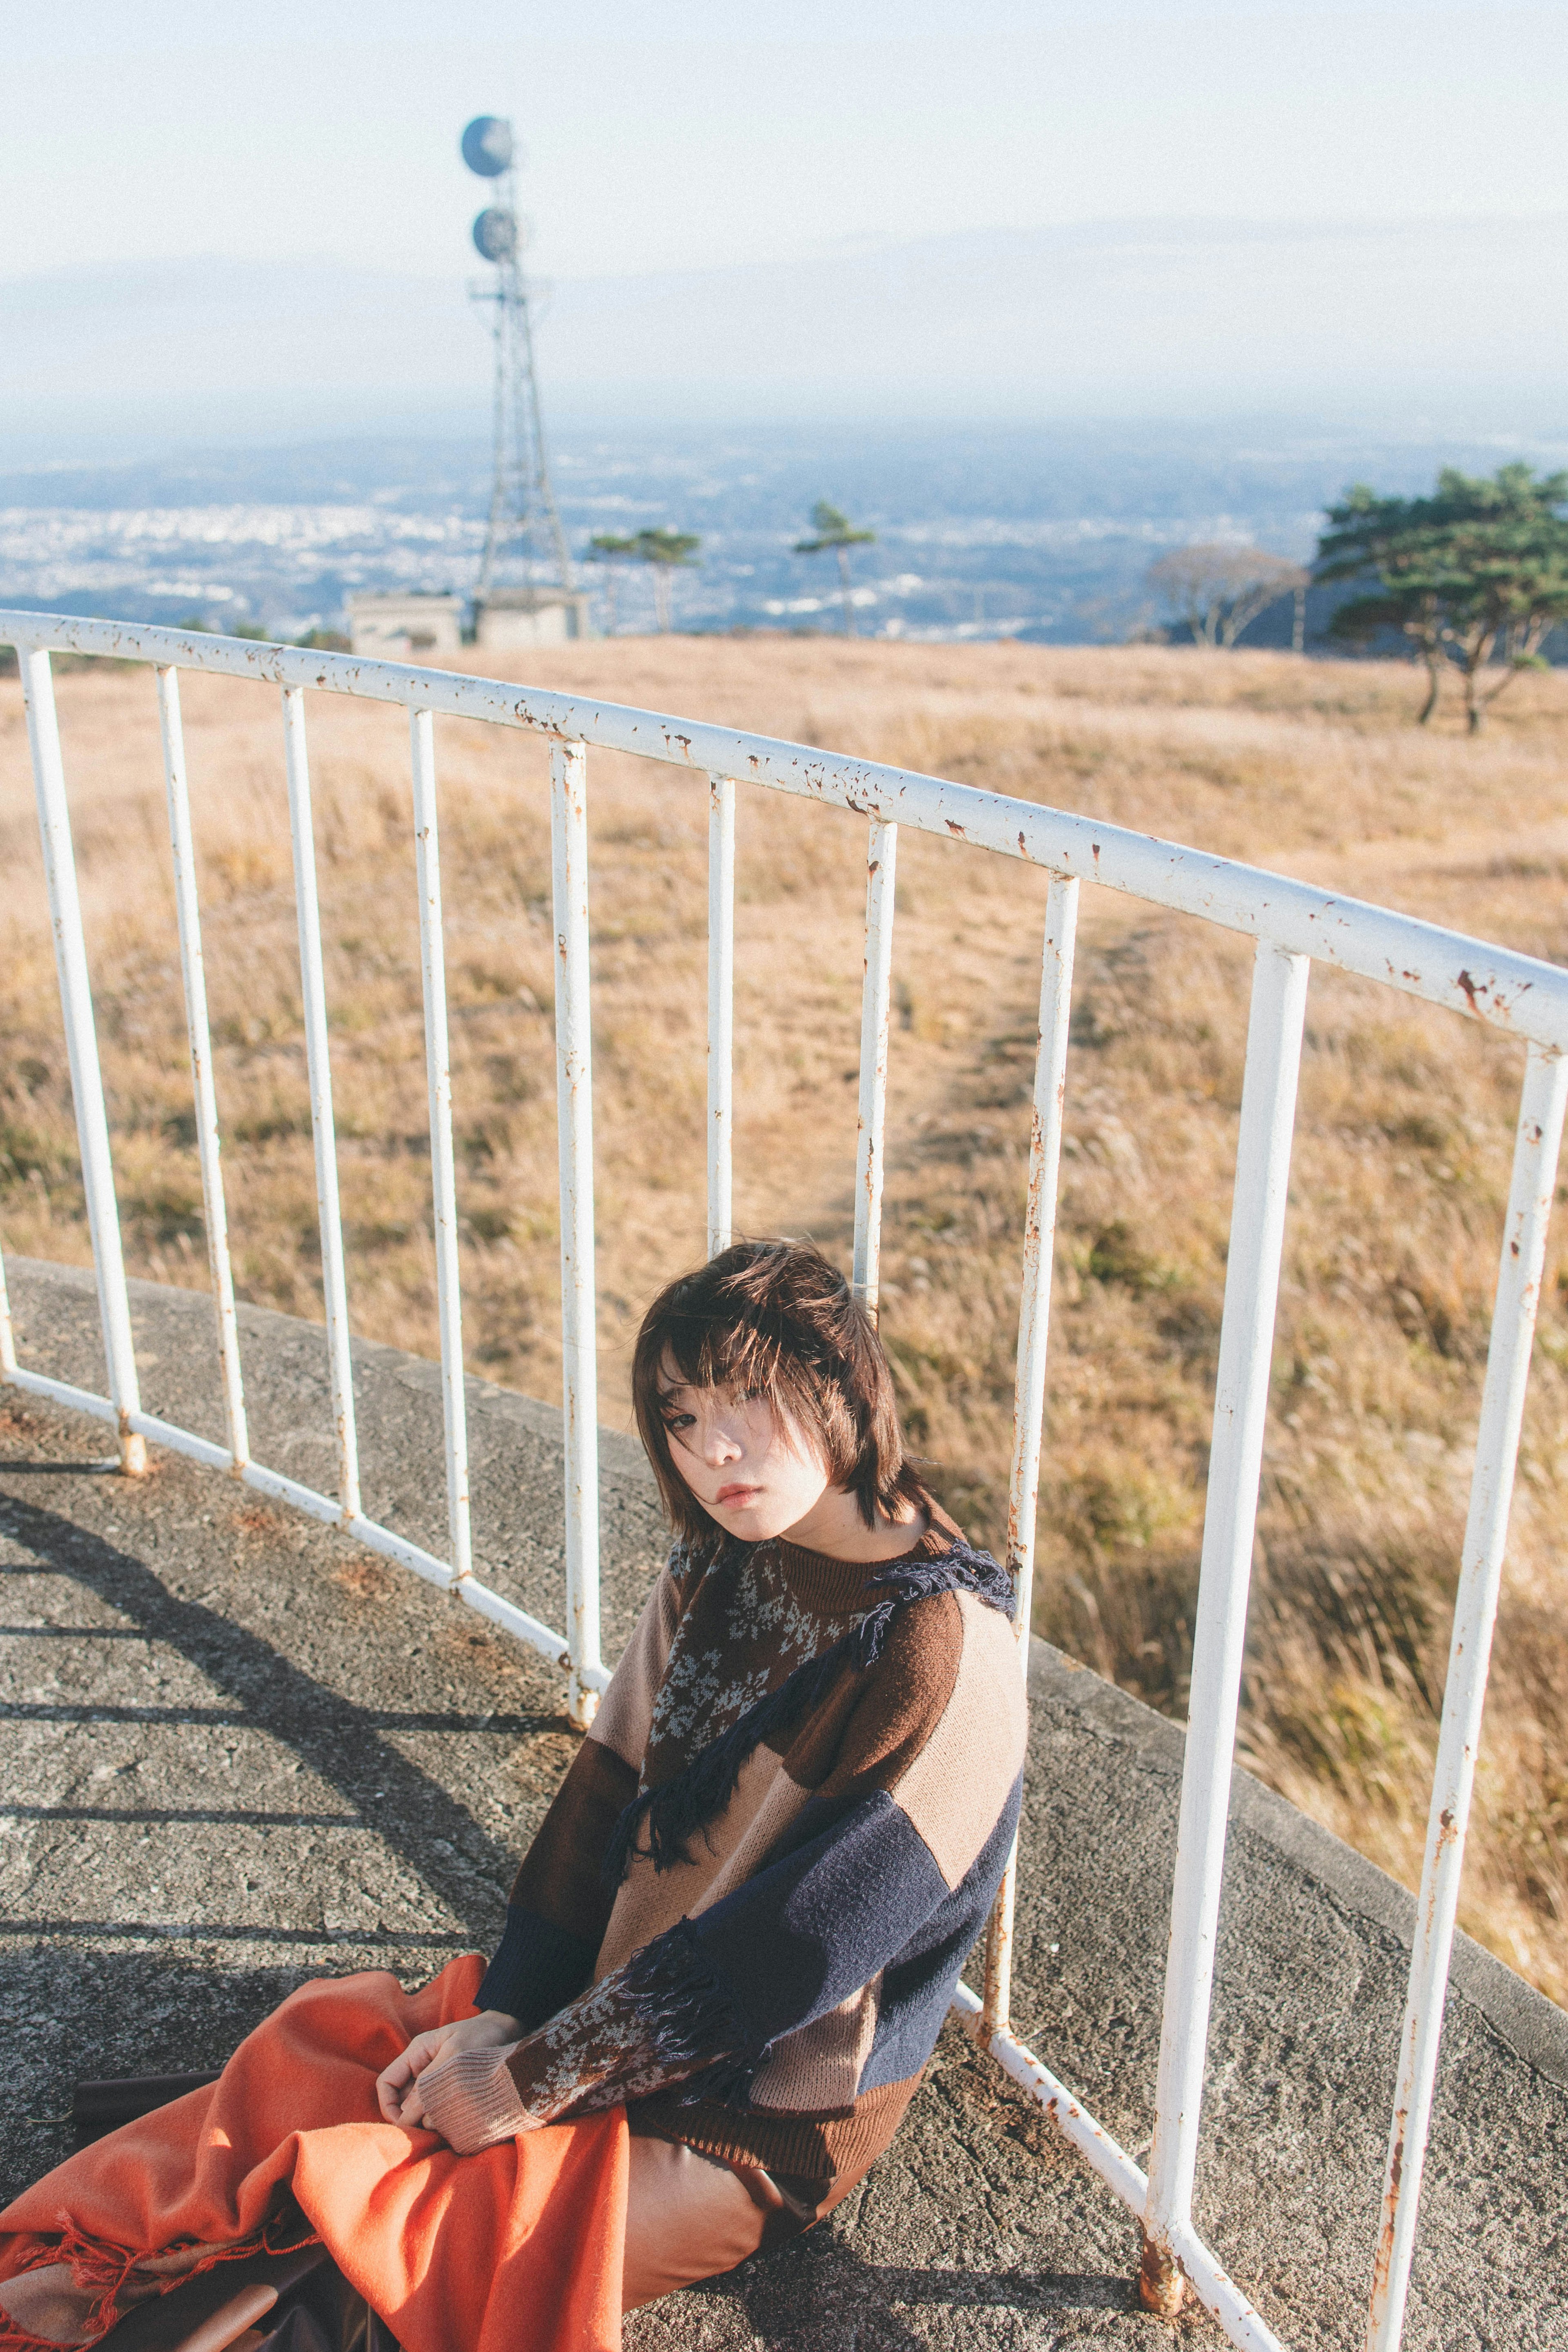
(471, 2100)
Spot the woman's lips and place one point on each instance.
(735, 1497)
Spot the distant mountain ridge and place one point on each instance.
(1118, 317)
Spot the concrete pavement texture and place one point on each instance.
(240, 1751)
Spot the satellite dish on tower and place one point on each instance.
(488, 147)
(495, 233)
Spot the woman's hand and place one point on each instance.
(397, 2086)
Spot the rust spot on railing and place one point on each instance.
(1383, 2262)
(1161, 2285)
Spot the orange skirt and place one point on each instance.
(520, 2243)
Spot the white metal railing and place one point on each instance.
(1292, 922)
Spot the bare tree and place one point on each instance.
(667, 550)
(1220, 592)
(607, 548)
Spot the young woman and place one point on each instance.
(731, 1946)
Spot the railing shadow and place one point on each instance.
(820, 2289)
(342, 1742)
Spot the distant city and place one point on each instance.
(1041, 534)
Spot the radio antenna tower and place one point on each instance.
(524, 521)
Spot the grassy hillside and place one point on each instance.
(1401, 1165)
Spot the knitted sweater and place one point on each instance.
(746, 1909)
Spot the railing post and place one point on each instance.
(574, 1101)
(881, 857)
(1241, 1407)
(443, 1171)
(1536, 1145)
(1034, 1332)
(721, 1011)
(313, 998)
(193, 972)
(7, 1335)
(81, 1048)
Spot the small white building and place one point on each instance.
(530, 616)
(404, 627)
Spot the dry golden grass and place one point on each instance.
(1401, 1162)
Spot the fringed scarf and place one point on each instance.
(682, 1807)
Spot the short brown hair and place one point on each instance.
(778, 1320)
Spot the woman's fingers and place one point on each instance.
(389, 2101)
(395, 2091)
(389, 2098)
(393, 2083)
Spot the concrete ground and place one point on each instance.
(240, 1751)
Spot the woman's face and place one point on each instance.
(754, 1472)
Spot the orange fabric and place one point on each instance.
(520, 2243)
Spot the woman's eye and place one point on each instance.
(678, 1421)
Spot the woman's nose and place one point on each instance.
(722, 1445)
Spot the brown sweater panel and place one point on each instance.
(559, 1878)
(813, 2147)
(871, 1727)
(860, 1737)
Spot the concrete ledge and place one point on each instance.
(240, 1751)
(1532, 2027)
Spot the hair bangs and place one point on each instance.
(719, 1350)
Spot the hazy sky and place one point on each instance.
(677, 133)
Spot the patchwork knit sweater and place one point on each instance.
(747, 1907)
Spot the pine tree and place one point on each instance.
(1474, 575)
(836, 531)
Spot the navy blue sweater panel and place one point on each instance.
(537, 1969)
(815, 1924)
(918, 1986)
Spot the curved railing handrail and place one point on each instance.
(1517, 993)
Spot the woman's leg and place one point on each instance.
(43, 2304)
(183, 2183)
(689, 2217)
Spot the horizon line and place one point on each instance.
(855, 245)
